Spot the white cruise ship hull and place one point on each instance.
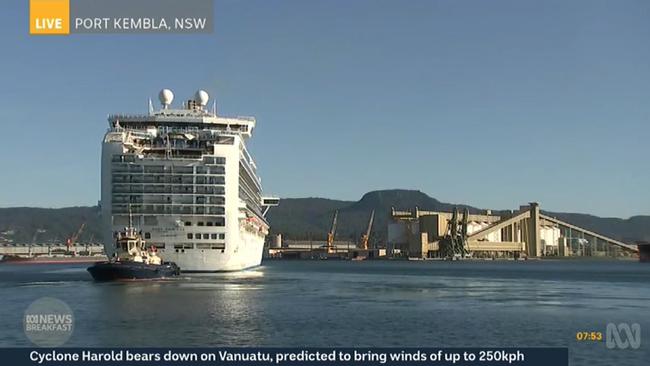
(246, 253)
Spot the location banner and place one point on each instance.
(64, 17)
(283, 356)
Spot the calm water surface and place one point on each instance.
(338, 303)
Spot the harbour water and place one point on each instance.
(341, 303)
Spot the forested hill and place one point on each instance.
(295, 218)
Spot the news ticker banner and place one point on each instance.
(64, 17)
(283, 356)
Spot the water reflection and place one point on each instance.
(206, 309)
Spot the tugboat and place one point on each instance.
(133, 261)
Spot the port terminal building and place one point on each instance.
(525, 233)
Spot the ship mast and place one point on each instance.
(130, 218)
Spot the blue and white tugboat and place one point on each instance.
(132, 260)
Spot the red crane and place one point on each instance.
(73, 239)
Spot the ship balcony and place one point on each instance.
(167, 209)
(168, 180)
(167, 189)
(137, 169)
(175, 200)
(122, 168)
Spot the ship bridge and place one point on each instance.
(192, 116)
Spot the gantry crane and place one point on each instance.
(332, 233)
(73, 239)
(454, 244)
(366, 236)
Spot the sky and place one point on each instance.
(490, 103)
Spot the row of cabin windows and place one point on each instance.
(181, 189)
(167, 179)
(168, 169)
(169, 209)
(213, 236)
(167, 200)
(219, 222)
(122, 170)
(180, 248)
(213, 160)
(161, 246)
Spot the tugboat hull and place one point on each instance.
(115, 271)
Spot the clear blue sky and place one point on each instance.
(491, 103)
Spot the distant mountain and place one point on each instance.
(403, 199)
(297, 218)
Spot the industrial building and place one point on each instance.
(521, 234)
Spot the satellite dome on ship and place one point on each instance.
(166, 97)
(201, 97)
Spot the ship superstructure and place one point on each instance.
(190, 183)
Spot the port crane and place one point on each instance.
(73, 239)
(454, 244)
(332, 233)
(365, 237)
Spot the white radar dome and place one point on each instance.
(201, 97)
(166, 97)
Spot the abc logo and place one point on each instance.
(623, 336)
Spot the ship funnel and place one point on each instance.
(166, 97)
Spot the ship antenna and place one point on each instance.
(214, 107)
(168, 148)
(150, 107)
(130, 218)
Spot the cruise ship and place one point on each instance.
(186, 179)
